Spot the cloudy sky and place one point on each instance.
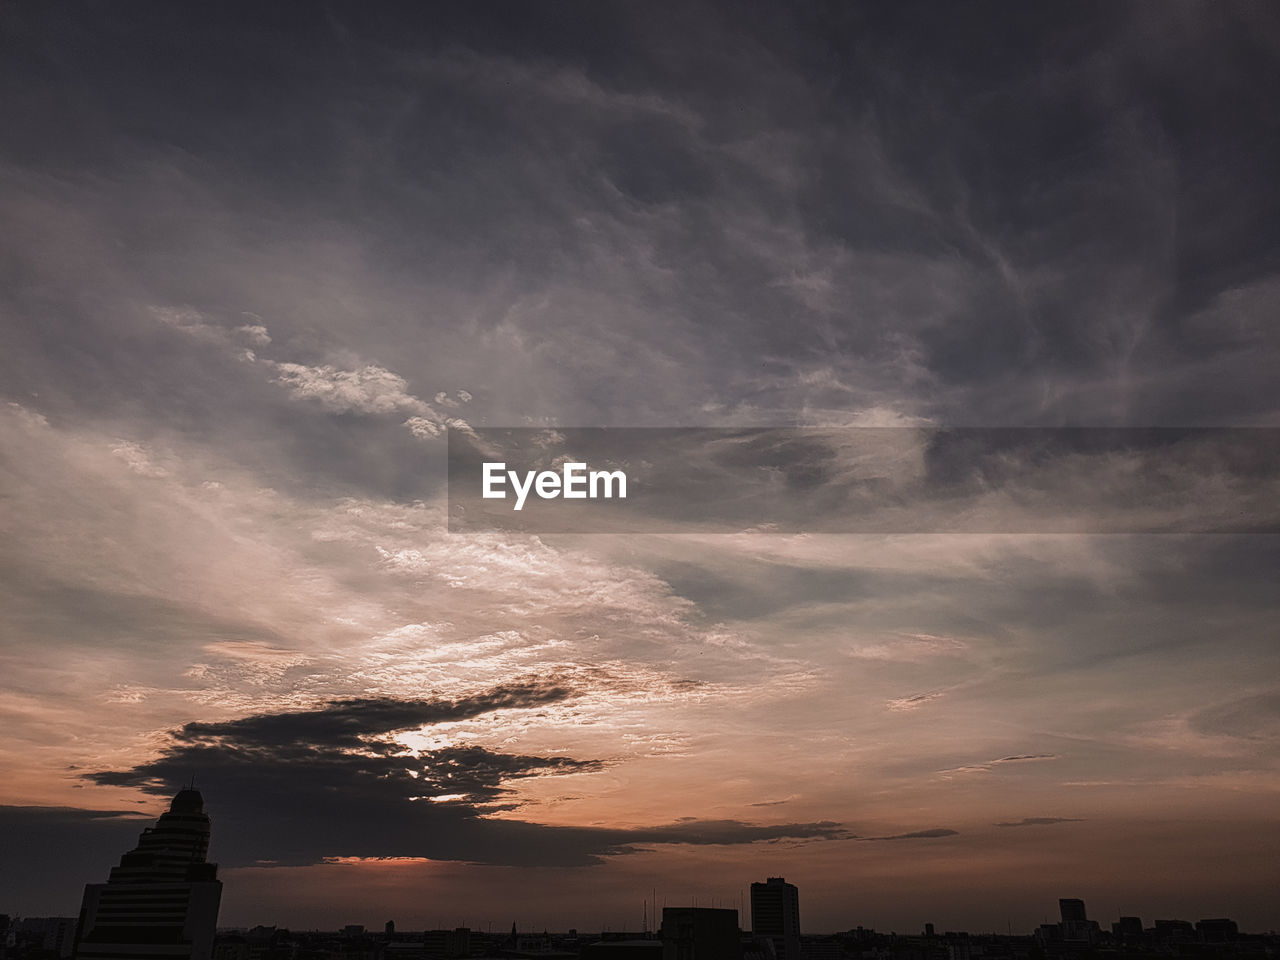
(257, 260)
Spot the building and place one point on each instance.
(1128, 929)
(53, 935)
(775, 916)
(1218, 930)
(1072, 911)
(162, 899)
(1174, 931)
(1076, 926)
(700, 933)
(447, 943)
(636, 949)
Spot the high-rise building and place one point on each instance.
(1072, 911)
(162, 899)
(775, 915)
(1076, 926)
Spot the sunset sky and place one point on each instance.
(256, 260)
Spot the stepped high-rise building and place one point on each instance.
(162, 900)
(775, 916)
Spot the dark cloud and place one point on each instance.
(1038, 821)
(330, 782)
(716, 832)
(932, 834)
(69, 816)
(347, 723)
(343, 749)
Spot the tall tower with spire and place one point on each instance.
(162, 899)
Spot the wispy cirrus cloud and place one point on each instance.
(935, 833)
(1038, 821)
(992, 765)
(365, 389)
(913, 703)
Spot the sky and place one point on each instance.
(257, 261)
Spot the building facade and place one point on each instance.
(775, 916)
(161, 901)
(700, 933)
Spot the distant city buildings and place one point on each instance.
(706, 934)
(700, 933)
(162, 900)
(1076, 925)
(1174, 931)
(631, 948)
(51, 936)
(442, 944)
(1076, 934)
(1075, 928)
(775, 916)
(1219, 930)
(161, 903)
(1128, 929)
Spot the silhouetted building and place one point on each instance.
(1076, 926)
(52, 935)
(231, 946)
(1220, 930)
(821, 948)
(700, 933)
(447, 943)
(437, 944)
(1174, 931)
(775, 915)
(161, 901)
(1072, 911)
(1128, 928)
(638, 949)
(757, 948)
(1049, 933)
